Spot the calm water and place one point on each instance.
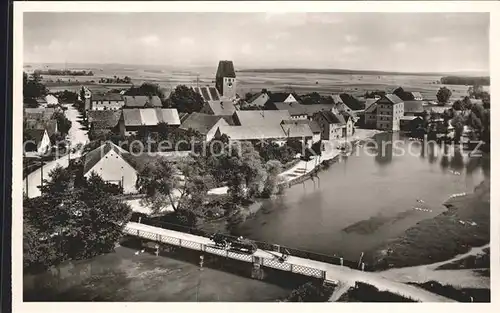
(364, 200)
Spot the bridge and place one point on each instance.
(268, 258)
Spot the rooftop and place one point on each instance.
(414, 106)
(225, 69)
(295, 108)
(94, 156)
(104, 119)
(220, 107)
(332, 118)
(110, 96)
(150, 117)
(200, 122)
(262, 117)
(141, 101)
(253, 132)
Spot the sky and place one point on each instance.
(404, 42)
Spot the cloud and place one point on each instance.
(186, 41)
(323, 18)
(399, 46)
(350, 38)
(150, 40)
(281, 35)
(437, 39)
(351, 49)
(246, 49)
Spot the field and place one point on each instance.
(254, 82)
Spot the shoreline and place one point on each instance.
(450, 236)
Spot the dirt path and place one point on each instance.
(465, 278)
(341, 288)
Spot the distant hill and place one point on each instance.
(355, 72)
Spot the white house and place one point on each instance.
(205, 124)
(108, 162)
(37, 140)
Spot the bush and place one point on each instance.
(313, 291)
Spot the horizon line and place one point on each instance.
(247, 68)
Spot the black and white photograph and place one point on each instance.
(232, 154)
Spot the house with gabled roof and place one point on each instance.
(141, 102)
(313, 126)
(332, 124)
(103, 121)
(258, 100)
(37, 140)
(205, 124)
(385, 113)
(107, 101)
(302, 111)
(132, 120)
(260, 118)
(283, 97)
(49, 125)
(413, 107)
(417, 95)
(110, 162)
(39, 113)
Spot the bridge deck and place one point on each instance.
(294, 264)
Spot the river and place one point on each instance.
(362, 201)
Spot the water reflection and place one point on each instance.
(314, 215)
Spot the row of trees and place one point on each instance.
(64, 72)
(235, 165)
(74, 218)
(468, 81)
(115, 80)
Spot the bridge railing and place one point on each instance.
(331, 259)
(193, 245)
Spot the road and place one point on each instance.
(76, 135)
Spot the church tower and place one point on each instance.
(225, 80)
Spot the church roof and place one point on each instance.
(226, 69)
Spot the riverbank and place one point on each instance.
(305, 170)
(465, 224)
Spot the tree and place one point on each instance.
(443, 95)
(273, 169)
(33, 88)
(146, 89)
(159, 182)
(63, 123)
(243, 167)
(475, 91)
(69, 222)
(458, 124)
(186, 100)
(402, 94)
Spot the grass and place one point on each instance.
(481, 261)
(443, 237)
(368, 293)
(313, 291)
(460, 295)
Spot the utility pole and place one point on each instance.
(41, 172)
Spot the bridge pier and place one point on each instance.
(257, 269)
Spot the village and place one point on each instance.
(116, 140)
